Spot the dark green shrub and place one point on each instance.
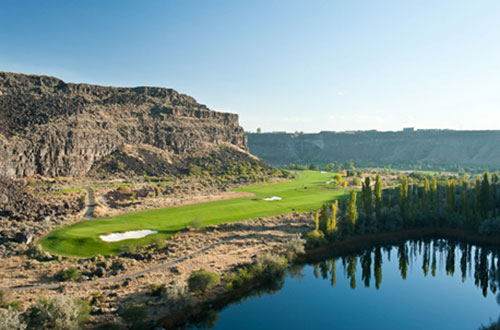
(202, 280)
(69, 274)
(158, 290)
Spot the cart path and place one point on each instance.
(135, 274)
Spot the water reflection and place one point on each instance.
(482, 262)
(412, 261)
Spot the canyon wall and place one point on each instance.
(53, 128)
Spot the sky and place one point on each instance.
(288, 65)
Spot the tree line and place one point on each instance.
(417, 201)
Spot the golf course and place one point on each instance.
(306, 192)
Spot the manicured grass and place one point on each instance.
(305, 193)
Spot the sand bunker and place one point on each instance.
(324, 172)
(134, 234)
(274, 198)
(328, 182)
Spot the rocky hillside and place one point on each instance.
(477, 148)
(52, 128)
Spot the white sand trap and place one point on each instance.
(274, 198)
(324, 172)
(134, 234)
(328, 182)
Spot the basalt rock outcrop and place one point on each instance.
(52, 128)
(439, 147)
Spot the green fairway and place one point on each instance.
(305, 193)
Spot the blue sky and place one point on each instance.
(281, 65)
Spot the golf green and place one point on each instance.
(307, 192)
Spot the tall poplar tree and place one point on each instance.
(434, 195)
(465, 198)
(316, 221)
(494, 184)
(427, 196)
(451, 192)
(367, 196)
(485, 195)
(352, 211)
(477, 198)
(378, 198)
(403, 198)
(332, 221)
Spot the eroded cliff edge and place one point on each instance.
(53, 128)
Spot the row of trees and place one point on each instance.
(415, 202)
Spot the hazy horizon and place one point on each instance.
(282, 66)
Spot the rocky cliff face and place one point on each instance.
(53, 128)
(481, 148)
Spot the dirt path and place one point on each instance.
(89, 213)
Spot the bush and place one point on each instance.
(124, 190)
(68, 274)
(294, 247)
(158, 290)
(59, 313)
(202, 280)
(315, 238)
(11, 320)
(134, 317)
(177, 297)
(272, 265)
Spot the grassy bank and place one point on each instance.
(305, 193)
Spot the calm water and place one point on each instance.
(380, 288)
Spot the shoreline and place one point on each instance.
(220, 300)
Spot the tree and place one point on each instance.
(332, 221)
(316, 221)
(450, 196)
(378, 197)
(366, 192)
(465, 198)
(259, 130)
(403, 198)
(477, 199)
(494, 182)
(434, 195)
(485, 195)
(344, 185)
(427, 196)
(323, 218)
(352, 210)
